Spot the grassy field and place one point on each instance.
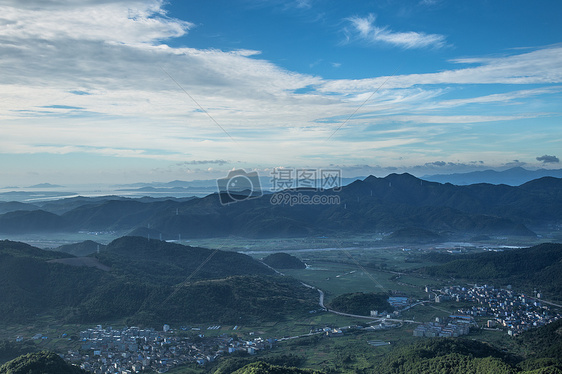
(336, 279)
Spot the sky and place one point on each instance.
(115, 91)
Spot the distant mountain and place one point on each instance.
(11, 206)
(24, 221)
(45, 185)
(170, 190)
(64, 205)
(395, 202)
(178, 185)
(34, 195)
(81, 249)
(512, 177)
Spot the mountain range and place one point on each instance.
(513, 177)
(372, 205)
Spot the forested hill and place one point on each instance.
(145, 282)
(171, 263)
(40, 363)
(388, 204)
(284, 261)
(536, 267)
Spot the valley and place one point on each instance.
(311, 331)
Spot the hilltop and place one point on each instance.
(81, 249)
(284, 261)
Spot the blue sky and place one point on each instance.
(114, 91)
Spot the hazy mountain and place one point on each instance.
(33, 195)
(178, 185)
(11, 206)
(45, 185)
(395, 202)
(23, 221)
(81, 249)
(513, 177)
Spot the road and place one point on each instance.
(546, 302)
(373, 319)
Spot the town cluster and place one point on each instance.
(501, 307)
(458, 325)
(132, 349)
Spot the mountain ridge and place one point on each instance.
(513, 176)
(374, 205)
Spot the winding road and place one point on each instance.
(373, 319)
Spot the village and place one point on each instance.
(132, 349)
(501, 308)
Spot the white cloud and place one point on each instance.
(543, 66)
(365, 29)
(86, 77)
(110, 21)
(500, 98)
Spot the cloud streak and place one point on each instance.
(364, 28)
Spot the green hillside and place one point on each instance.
(148, 282)
(240, 299)
(446, 355)
(264, 368)
(539, 266)
(39, 363)
(543, 344)
(159, 262)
